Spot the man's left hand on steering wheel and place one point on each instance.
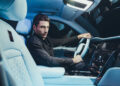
(84, 35)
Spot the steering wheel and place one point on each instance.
(82, 47)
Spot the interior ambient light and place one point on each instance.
(79, 4)
(77, 0)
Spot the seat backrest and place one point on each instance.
(19, 66)
(17, 59)
(111, 77)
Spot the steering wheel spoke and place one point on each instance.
(82, 47)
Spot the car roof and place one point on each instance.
(56, 8)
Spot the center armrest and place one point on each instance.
(49, 72)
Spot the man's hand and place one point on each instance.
(77, 59)
(84, 35)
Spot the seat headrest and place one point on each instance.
(24, 27)
(13, 9)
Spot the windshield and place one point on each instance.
(113, 1)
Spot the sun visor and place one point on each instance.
(13, 9)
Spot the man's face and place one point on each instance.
(42, 28)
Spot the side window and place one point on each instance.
(60, 30)
(59, 25)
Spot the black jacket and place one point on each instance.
(42, 50)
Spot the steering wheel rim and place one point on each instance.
(82, 47)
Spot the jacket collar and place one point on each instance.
(39, 36)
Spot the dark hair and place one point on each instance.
(40, 17)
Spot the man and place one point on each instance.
(41, 46)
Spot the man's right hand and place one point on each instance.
(77, 59)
